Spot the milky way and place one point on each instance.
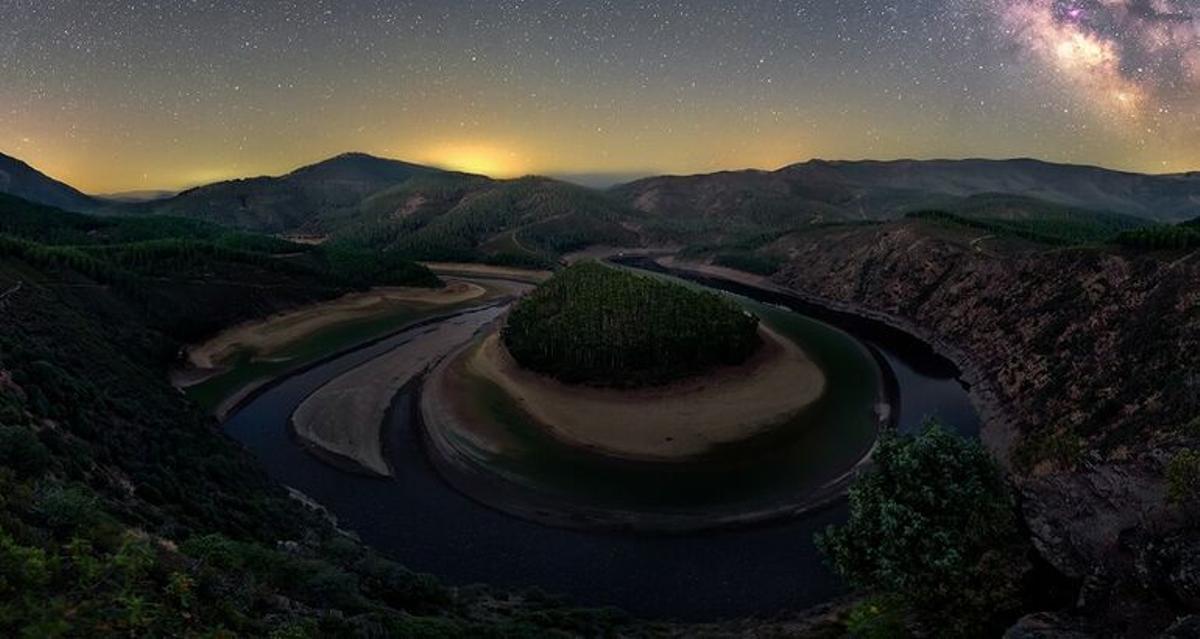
(1136, 57)
(116, 95)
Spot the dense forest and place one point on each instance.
(528, 222)
(1181, 237)
(124, 511)
(599, 325)
(1074, 228)
(173, 269)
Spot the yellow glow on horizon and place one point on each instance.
(489, 159)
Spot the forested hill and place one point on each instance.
(830, 191)
(123, 508)
(21, 180)
(290, 202)
(530, 221)
(421, 212)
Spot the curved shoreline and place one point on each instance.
(209, 358)
(460, 447)
(998, 432)
(482, 486)
(253, 391)
(678, 422)
(419, 519)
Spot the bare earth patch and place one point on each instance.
(466, 269)
(345, 416)
(273, 333)
(673, 422)
(720, 272)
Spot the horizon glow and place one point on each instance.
(139, 95)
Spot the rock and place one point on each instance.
(1050, 625)
(1171, 565)
(1082, 363)
(1186, 628)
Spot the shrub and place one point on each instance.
(1183, 479)
(67, 507)
(932, 526)
(21, 451)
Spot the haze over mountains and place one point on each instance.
(355, 190)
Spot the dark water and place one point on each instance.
(421, 522)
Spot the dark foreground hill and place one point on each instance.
(1083, 361)
(21, 180)
(125, 511)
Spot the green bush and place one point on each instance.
(1183, 479)
(932, 526)
(67, 507)
(599, 325)
(877, 618)
(21, 451)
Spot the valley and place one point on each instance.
(369, 373)
(426, 522)
(558, 319)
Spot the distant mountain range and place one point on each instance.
(138, 196)
(397, 203)
(21, 180)
(822, 190)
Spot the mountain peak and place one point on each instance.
(22, 180)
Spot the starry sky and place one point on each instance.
(142, 94)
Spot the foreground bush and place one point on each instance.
(932, 526)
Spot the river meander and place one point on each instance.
(420, 520)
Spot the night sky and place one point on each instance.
(129, 95)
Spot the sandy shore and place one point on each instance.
(674, 422)
(272, 333)
(345, 416)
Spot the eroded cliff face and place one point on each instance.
(1085, 364)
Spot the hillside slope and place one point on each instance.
(290, 202)
(21, 180)
(821, 191)
(1083, 361)
(127, 512)
(530, 221)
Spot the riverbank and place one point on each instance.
(418, 518)
(267, 336)
(683, 420)
(997, 429)
(471, 269)
(244, 358)
(345, 417)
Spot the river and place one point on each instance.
(420, 521)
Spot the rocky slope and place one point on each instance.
(1084, 362)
